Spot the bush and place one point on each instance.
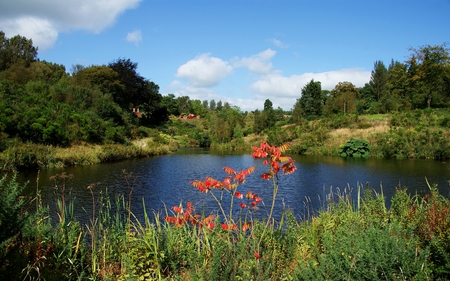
(355, 148)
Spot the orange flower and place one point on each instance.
(246, 226)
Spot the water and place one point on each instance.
(164, 181)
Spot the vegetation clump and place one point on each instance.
(355, 148)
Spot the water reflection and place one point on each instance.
(165, 180)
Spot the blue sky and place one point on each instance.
(242, 52)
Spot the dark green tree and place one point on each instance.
(310, 104)
(138, 92)
(16, 50)
(269, 113)
(378, 80)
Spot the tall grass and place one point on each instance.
(41, 156)
(365, 237)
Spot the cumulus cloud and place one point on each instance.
(134, 37)
(43, 20)
(204, 71)
(291, 86)
(288, 89)
(259, 63)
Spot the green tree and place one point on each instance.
(219, 105)
(342, 99)
(171, 104)
(430, 64)
(16, 50)
(196, 107)
(183, 104)
(311, 102)
(138, 92)
(379, 80)
(366, 100)
(269, 113)
(102, 77)
(398, 84)
(212, 105)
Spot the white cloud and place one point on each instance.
(134, 37)
(42, 20)
(278, 43)
(39, 30)
(204, 71)
(285, 90)
(259, 63)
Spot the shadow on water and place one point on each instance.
(164, 181)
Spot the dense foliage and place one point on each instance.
(43, 107)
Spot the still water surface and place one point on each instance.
(164, 181)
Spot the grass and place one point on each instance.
(408, 241)
(362, 238)
(35, 155)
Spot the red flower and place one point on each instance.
(177, 209)
(242, 205)
(256, 255)
(228, 226)
(239, 195)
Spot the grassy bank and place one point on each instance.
(412, 134)
(30, 155)
(368, 238)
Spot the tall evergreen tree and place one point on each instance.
(378, 80)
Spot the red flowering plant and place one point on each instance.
(273, 159)
(188, 216)
(229, 185)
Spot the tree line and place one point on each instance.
(43, 103)
(422, 81)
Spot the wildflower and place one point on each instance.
(243, 205)
(256, 255)
(239, 195)
(177, 209)
(246, 226)
(228, 226)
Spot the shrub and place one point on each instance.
(355, 148)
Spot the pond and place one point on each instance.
(164, 181)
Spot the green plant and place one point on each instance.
(355, 148)
(13, 214)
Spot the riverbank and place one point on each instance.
(417, 134)
(41, 156)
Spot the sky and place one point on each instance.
(237, 51)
